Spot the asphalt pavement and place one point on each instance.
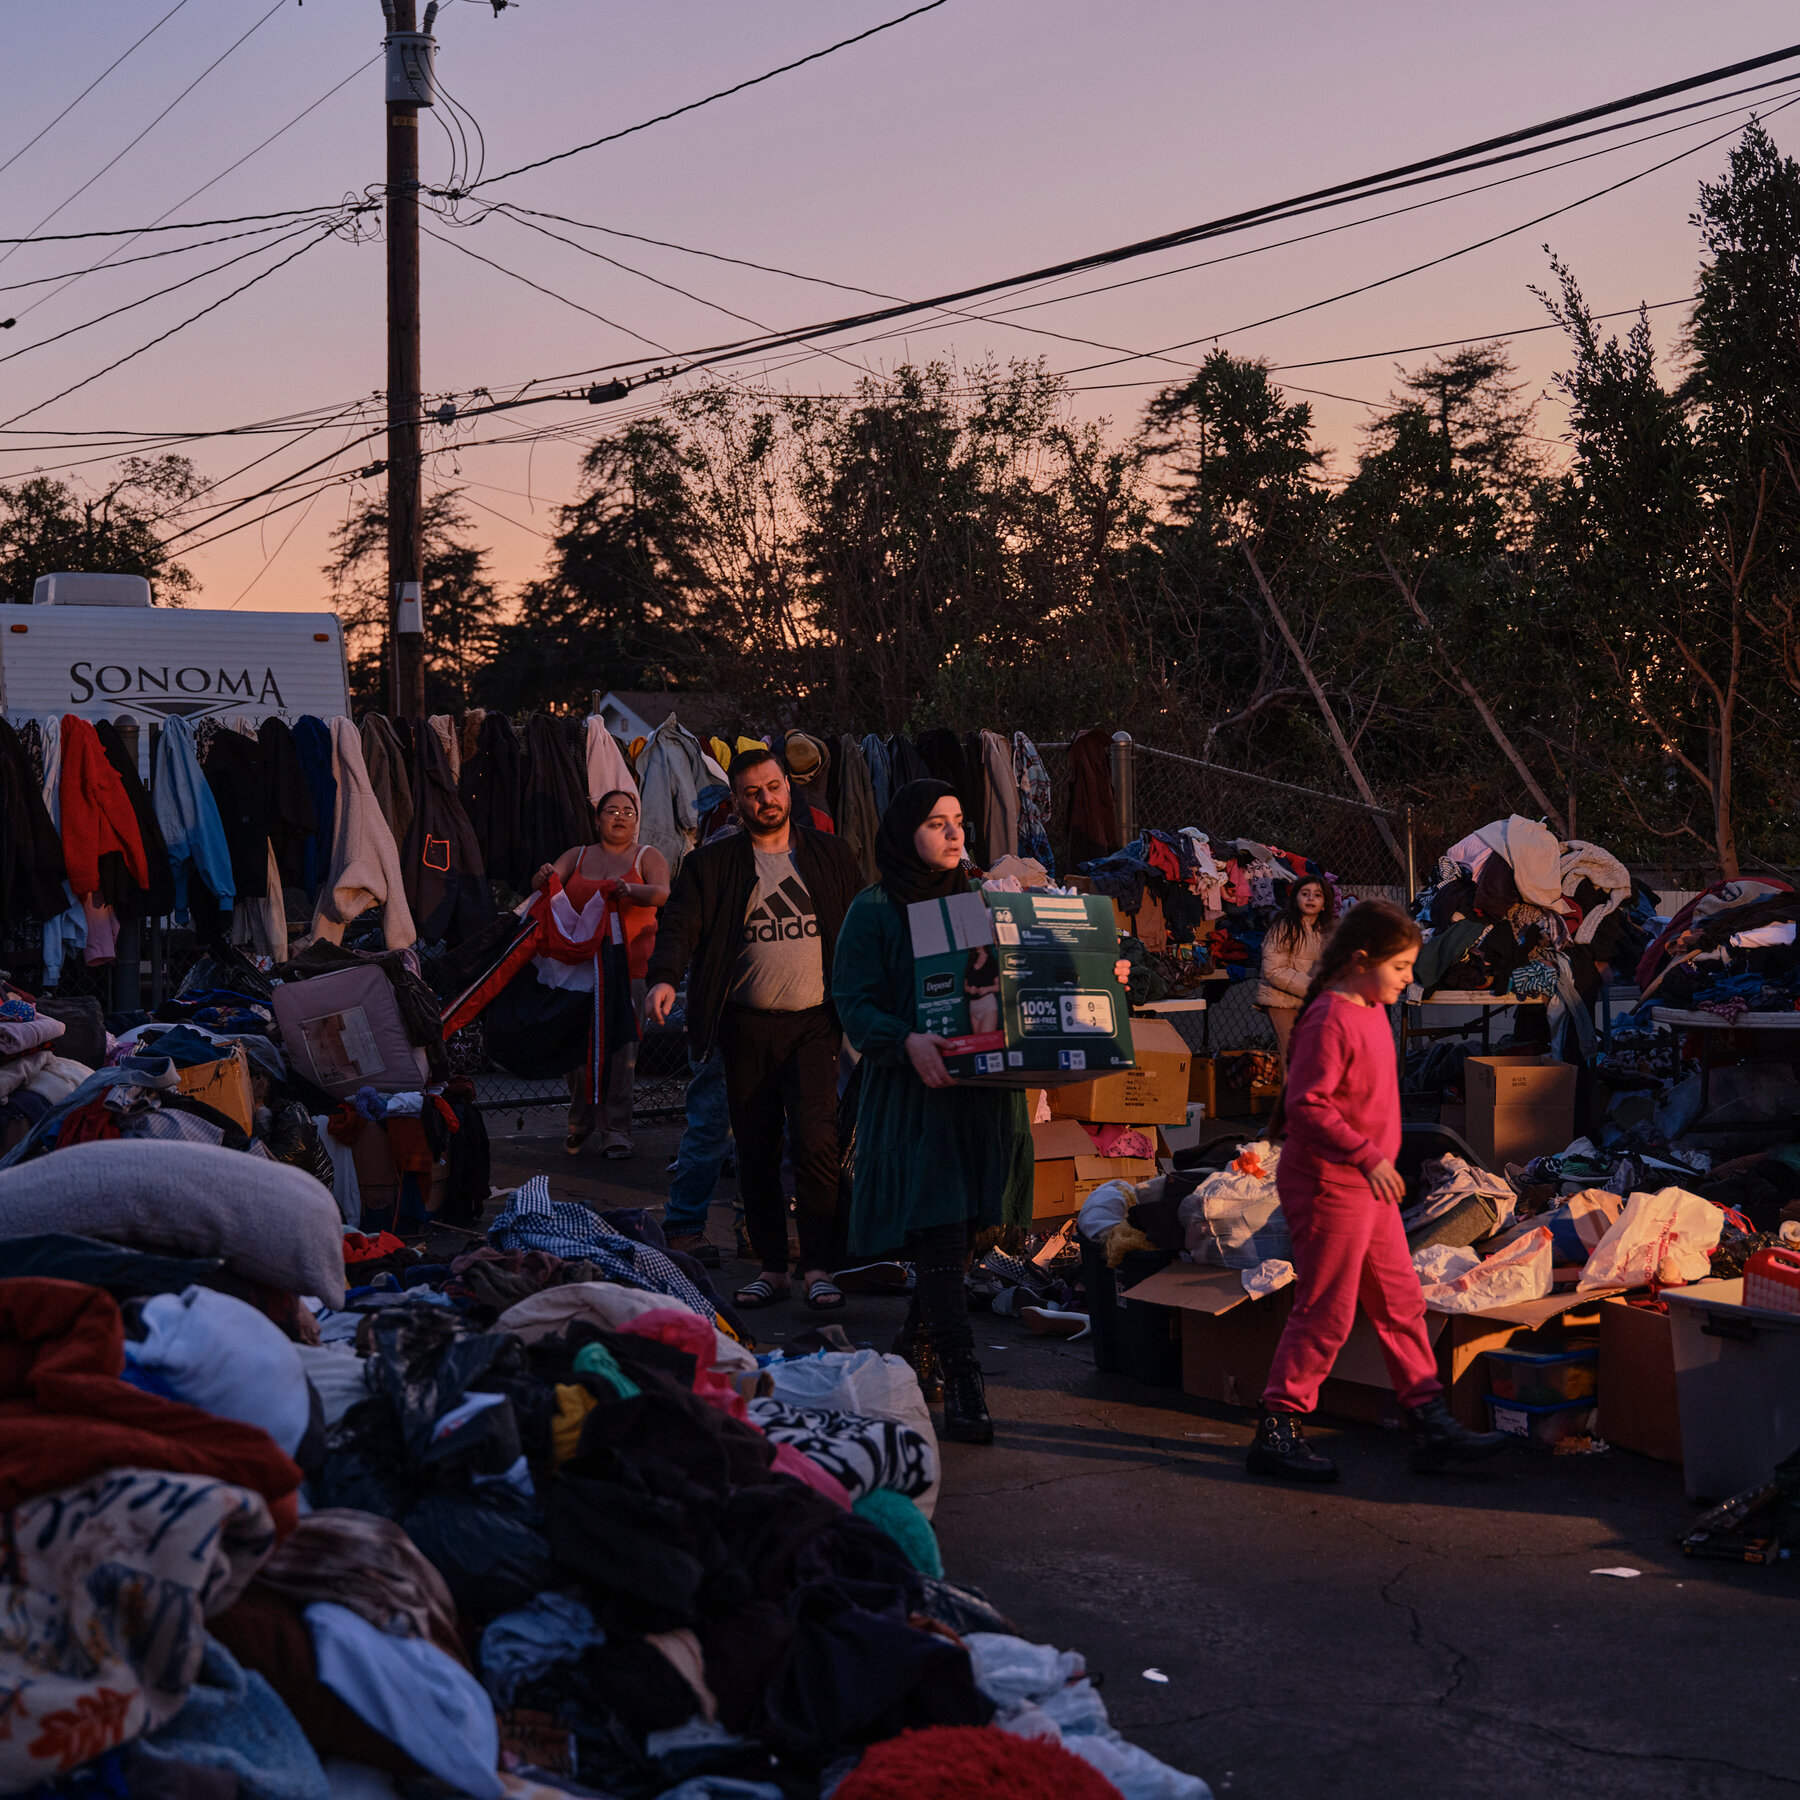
(1398, 1636)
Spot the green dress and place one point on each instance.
(924, 1156)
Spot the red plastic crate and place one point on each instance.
(1772, 1280)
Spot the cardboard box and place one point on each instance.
(1068, 1170)
(223, 1085)
(1023, 987)
(1203, 1084)
(1518, 1107)
(1639, 1408)
(1228, 1344)
(1153, 1093)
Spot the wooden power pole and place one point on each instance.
(409, 86)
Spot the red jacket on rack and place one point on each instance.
(96, 811)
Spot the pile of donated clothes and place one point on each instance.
(522, 1524)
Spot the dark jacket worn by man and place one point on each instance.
(714, 888)
(756, 932)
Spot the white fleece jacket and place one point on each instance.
(365, 860)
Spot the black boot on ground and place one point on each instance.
(914, 1348)
(1440, 1439)
(966, 1418)
(1280, 1448)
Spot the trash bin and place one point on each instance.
(1737, 1372)
(1131, 1337)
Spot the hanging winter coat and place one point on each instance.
(389, 777)
(292, 819)
(97, 816)
(237, 773)
(671, 774)
(607, 770)
(554, 811)
(999, 797)
(858, 821)
(1035, 802)
(157, 896)
(1093, 813)
(446, 886)
(188, 817)
(492, 792)
(364, 868)
(31, 855)
(312, 743)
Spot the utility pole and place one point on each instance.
(409, 86)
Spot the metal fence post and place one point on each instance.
(1412, 864)
(1124, 780)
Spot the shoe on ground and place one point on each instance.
(1280, 1449)
(699, 1246)
(966, 1418)
(1050, 1321)
(1440, 1439)
(872, 1278)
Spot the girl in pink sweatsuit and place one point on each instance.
(1341, 1195)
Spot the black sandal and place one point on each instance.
(758, 1293)
(824, 1295)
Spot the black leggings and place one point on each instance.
(939, 1254)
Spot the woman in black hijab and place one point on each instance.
(935, 1162)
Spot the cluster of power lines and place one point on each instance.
(346, 434)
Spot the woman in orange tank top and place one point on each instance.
(639, 875)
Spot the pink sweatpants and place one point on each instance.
(1348, 1246)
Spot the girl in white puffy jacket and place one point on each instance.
(1291, 951)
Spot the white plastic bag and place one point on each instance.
(1438, 1264)
(1666, 1237)
(1267, 1278)
(860, 1381)
(1234, 1218)
(1522, 1271)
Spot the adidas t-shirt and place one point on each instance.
(781, 967)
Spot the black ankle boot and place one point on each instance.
(966, 1418)
(1280, 1448)
(1439, 1438)
(914, 1348)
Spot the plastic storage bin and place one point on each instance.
(1544, 1378)
(1737, 1372)
(1131, 1337)
(1542, 1427)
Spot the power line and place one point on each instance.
(75, 237)
(148, 256)
(163, 337)
(1464, 250)
(148, 35)
(550, 293)
(1436, 200)
(723, 94)
(107, 260)
(72, 198)
(145, 299)
(1341, 193)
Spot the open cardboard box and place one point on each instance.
(1228, 1343)
(1518, 1107)
(1068, 1169)
(1640, 1408)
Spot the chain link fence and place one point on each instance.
(1365, 849)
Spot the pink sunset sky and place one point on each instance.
(983, 138)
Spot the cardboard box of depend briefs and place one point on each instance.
(1022, 985)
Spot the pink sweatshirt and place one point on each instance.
(1343, 1092)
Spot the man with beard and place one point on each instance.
(753, 922)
